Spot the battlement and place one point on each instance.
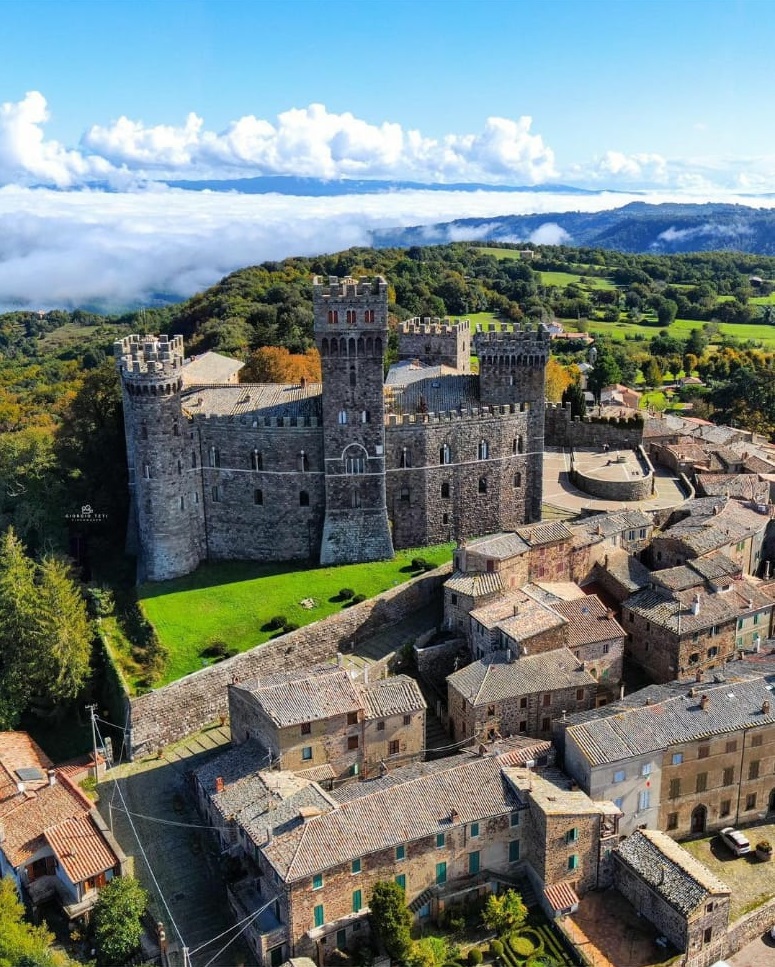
(347, 289)
(516, 339)
(148, 355)
(433, 326)
(475, 413)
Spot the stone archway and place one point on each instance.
(699, 819)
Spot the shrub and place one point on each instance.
(421, 564)
(474, 956)
(765, 846)
(358, 598)
(496, 948)
(345, 594)
(274, 624)
(216, 649)
(117, 919)
(290, 626)
(521, 946)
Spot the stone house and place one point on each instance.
(55, 845)
(314, 717)
(685, 757)
(596, 638)
(675, 892)
(515, 622)
(446, 831)
(694, 617)
(497, 696)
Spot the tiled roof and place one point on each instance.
(673, 717)
(550, 532)
(518, 614)
(550, 592)
(391, 696)
(557, 795)
(495, 679)
(517, 751)
(756, 463)
(253, 401)
(475, 584)
(714, 566)
(317, 773)
(678, 578)
(19, 751)
(452, 793)
(210, 367)
(608, 525)
(232, 764)
(713, 523)
(81, 848)
(408, 371)
(561, 896)
(625, 569)
(304, 695)
(745, 486)
(675, 875)
(498, 546)
(589, 621)
(437, 394)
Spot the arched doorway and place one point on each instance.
(699, 819)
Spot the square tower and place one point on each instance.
(351, 334)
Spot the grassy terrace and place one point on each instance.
(234, 601)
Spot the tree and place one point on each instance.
(274, 364)
(606, 372)
(574, 395)
(17, 607)
(21, 943)
(653, 373)
(117, 919)
(504, 912)
(557, 379)
(391, 920)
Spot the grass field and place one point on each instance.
(72, 334)
(681, 328)
(230, 602)
(562, 279)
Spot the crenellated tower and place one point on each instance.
(351, 330)
(512, 369)
(166, 524)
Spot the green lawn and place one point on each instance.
(230, 602)
(567, 278)
(681, 328)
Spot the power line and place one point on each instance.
(170, 822)
(225, 946)
(250, 916)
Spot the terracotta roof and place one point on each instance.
(557, 795)
(445, 794)
(81, 848)
(625, 569)
(671, 872)
(589, 621)
(494, 678)
(550, 532)
(476, 584)
(304, 695)
(518, 614)
(317, 773)
(497, 546)
(561, 897)
(746, 486)
(391, 696)
(19, 751)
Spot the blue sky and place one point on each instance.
(658, 100)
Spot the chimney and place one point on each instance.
(692, 692)
(648, 701)
(704, 700)
(219, 783)
(765, 707)
(698, 675)
(303, 382)
(52, 777)
(696, 604)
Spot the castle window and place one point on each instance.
(365, 416)
(445, 518)
(520, 444)
(353, 377)
(355, 461)
(215, 457)
(216, 495)
(147, 471)
(445, 454)
(342, 418)
(180, 468)
(256, 460)
(193, 459)
(175, 429)
(484, 450)
(483, 485)
(144, 432)
(368, 315)
(303, 462)
(355, 497)
(182, 503)
(303, 498)
(333, 316)
(404, 495)
(350, 316)
(405, 457)
(258, 497)
(445, 491)
(517, 480)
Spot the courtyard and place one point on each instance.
(608, 932)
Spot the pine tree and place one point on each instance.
(17, 607)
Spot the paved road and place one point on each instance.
(758, 953)
(182, 854)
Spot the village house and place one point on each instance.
(498, 695)
(684, 757)
(695, 617)
(318, 717)
(518, 623)
(54, 843)
(445, 830)
(675, 892)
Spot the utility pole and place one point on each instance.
(92, 710)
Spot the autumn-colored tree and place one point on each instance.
(274, 364)
(558, 379)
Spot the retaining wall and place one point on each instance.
(638, 488)
(187, 705)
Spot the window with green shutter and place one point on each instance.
(401, 881)
(317, 881)
(474, 830)
(439, 840)
(401, 852)
(319, 918)
(357, 900)
(356, 867)
(473, 862)
(513, 851)
(441, 873)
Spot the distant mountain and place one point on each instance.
(319, 187)
(637, 227)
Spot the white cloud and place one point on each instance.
(550, 233)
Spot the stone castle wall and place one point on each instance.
(563, 430)
(438, 342)
(637, 488)
(183, 707)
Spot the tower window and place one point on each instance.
(258, 497)
(405, 457)
(304, 498)
(404, 495)
(483, 485)
(517, 480)
(350, 317)
(215, 457)
(256, 460)
(355, 497)
(303, 462)
(353, 377)
(445, 491)
(445, 454)
(182, 503)
(216, 495)
(484, 450)
(147, 471)
(365, 416)
(333, 316)
(175, 429)
(180, 467)
(193, 459)
(368, 315)
(520, 444)
(355, 464)
(342, 418)
(144, 432)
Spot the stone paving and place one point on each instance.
(607, 930)
(182, 853)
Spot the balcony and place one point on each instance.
(244, 899)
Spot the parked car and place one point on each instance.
(735, 840)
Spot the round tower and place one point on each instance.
(351, 334)
(166, 520)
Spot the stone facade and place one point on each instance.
(438, 342)
(564, 430)
(342, 472)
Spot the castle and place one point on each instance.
(342, 471)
